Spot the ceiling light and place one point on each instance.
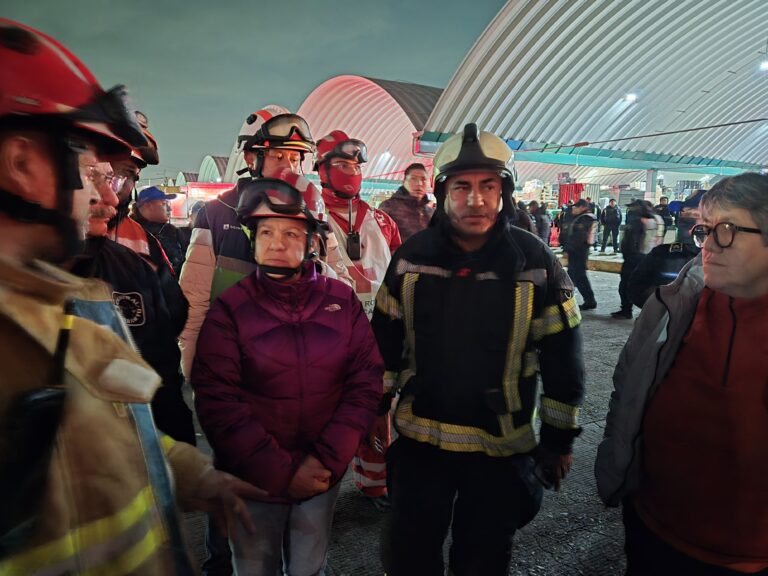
(631, 97)
(764, 65)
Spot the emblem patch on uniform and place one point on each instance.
(332, 308)
(131, 306)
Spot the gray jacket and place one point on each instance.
(645, 360)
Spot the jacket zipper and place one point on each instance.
(730, 343)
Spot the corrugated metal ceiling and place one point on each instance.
(558, 71)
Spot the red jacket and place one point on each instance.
(282, 371)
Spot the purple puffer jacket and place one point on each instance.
(282, 371)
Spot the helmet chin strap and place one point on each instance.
(60, 218)
(283, 272)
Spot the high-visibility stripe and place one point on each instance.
(67, 321)
(559, 414)
(78, 541)
(405, 267)
(408, 298)
(518, 340)
(456, 438)
(388, 304)
(390, 381)
(555, 318)
(134, 557)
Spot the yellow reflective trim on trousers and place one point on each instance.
(559, 414)
(518, 339)
(456, 438)
(80, 538)
(132, 558)
(67, 321)
(388, 304)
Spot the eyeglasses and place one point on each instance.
(723, 232)
(347, 168)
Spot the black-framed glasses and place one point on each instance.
(724, 233)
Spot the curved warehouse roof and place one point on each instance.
(382, 113)
(212, 169)
(559, 71)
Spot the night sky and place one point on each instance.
(198, 68)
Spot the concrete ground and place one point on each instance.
(574, 533)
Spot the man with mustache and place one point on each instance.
(138, 293)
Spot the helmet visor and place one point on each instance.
(113, 109)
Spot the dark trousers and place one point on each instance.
(481, 498)
(612, 231)
(649, 555)
(631, 261)
(577, 270)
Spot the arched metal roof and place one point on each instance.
(212, 169)
(382, 113)
(183, 177)
(558, 71)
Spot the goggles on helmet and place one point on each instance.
(285, 129)
(270, 198)
(349, 150)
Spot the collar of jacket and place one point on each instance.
(289, 293)
(501, 253)
(42, 281)
(154, 227)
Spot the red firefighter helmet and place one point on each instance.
(338, 145)
(41, 82)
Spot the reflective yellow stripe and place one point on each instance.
(132, 558)
(518, 339)
(390, 381)
(388, 304)
(559, 414)
(456, 438)
(167, 442)
(408, 298)
(551, 319)
(67, 321)
(79, 539)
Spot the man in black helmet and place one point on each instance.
(469, 310)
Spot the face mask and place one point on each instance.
(346, 185)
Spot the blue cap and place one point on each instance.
(153, 193)
(691, 202)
